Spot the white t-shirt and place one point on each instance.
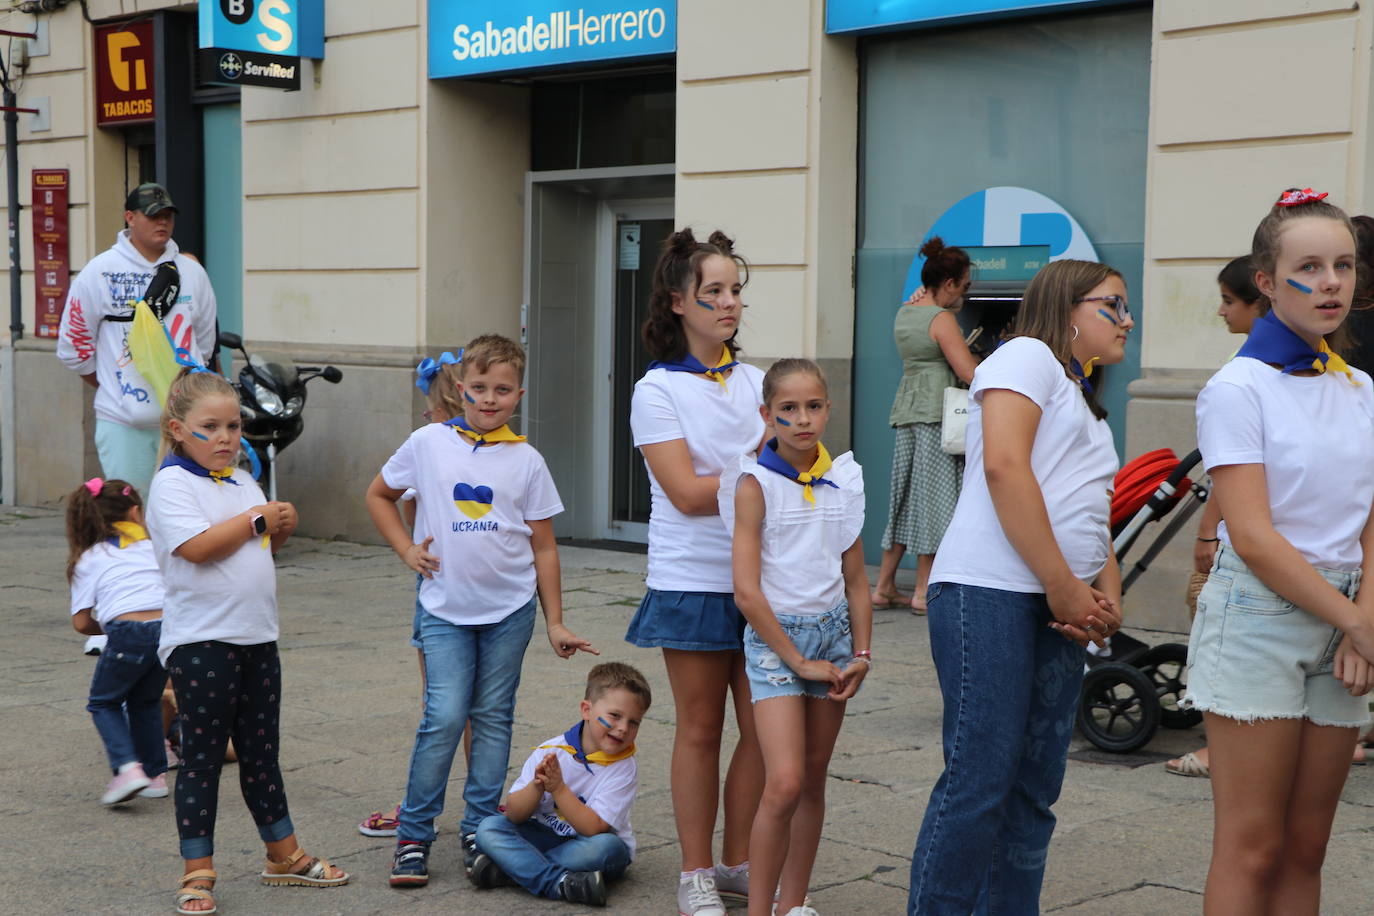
(1073, 460)
(608, 789)
(802, 544)
(231, 600)
(113, 582)
(477, 505)
(691, 553)
(1315, 437)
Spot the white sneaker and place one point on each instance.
(157, 788)
(696, 896)
(801, 911)
(732, 887)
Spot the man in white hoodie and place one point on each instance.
(93, 340)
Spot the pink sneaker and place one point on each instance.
(157, 788)
(126, 785)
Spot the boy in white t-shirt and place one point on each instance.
(487, 501)
(566, 829)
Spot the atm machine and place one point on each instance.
(1000, 276)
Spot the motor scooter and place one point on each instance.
(271, 389)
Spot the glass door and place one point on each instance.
(640, 229)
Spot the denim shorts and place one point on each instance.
(419, 612)
(825, 636)
(1254, 655)
(695, 621)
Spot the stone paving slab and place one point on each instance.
(1132, 839)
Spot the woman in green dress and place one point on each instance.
(925, 480)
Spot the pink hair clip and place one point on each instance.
(1294, 198)
(94, 485)
(125, 491)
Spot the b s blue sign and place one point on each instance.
(859, 16)
(259, 42)
(477, 37)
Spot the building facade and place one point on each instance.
(448, 169)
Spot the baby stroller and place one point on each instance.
(1131, 688)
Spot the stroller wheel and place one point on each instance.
(1118, 708)
(1167, 666)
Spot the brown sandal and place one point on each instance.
(317, 874)
(198, 892)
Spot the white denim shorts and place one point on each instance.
(1254, 655)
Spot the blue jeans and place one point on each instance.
(537, 858)
(1010, 686)
(126, 695)
(471, 673)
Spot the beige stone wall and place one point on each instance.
(767, 136)
(1247, 97)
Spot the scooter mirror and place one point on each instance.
(231, 340)
(331, 375)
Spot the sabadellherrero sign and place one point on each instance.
(497, 36)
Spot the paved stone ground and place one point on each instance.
(1131, 839)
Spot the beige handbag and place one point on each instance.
(953, 421)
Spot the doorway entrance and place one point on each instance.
(592, 238)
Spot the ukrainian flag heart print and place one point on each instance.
(474, 502)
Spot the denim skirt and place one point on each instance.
(695, 621)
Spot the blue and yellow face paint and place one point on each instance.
(469, 398)
(200, 436)
(706, 305)
(780, 421)
(1300, 287)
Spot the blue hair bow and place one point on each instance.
(428, 368)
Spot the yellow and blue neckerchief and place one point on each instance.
(127, 533)
(224, 475)
(770, 459)
(1272, 341)
(572, 743)
(1082, 373)
(690, 363)
(503, 434)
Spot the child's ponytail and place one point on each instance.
(92, 510)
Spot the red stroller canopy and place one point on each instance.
(1137, 481)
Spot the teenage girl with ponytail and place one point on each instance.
(214, 535)
(117, 590)
(925, 480)
(695, 411)
(1025, 575)
(1279, 656)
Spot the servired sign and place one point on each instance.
(124, 73)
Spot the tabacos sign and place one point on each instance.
(259, 42)
(471, 39)
(124, 73)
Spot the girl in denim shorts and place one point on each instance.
(796, 517)
(1278, 659)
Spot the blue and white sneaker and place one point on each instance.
(410, 865)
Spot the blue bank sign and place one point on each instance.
(497, 36)
(886, 15)
(258, 42)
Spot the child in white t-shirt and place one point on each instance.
(566, 828)
(214, 535)
(487, 501)
(438, 381)
(117, 590)
(1279, 656)
(799, 579)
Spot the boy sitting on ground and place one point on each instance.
(566, 829)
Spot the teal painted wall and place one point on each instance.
(223, 255)
(1058, 105)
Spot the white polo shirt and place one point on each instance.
(114, 582)
(231, 600)
(691, 553)
(800, 570)
(477, 504)
(1314, 435)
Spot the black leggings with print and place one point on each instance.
(225, 691)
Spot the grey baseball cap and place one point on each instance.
(150, 199)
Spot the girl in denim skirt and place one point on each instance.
(1283, 634)
(801, 583)
(695, 410)
(1024, 577)
(117, 590)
